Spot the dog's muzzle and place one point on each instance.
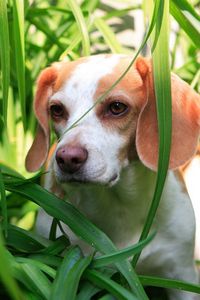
(70, 159)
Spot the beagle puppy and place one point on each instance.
(106, 164)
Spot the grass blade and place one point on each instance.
(162, 79)
(103, 281)
(18, 28)
(50, 260)
(108, 36)
(186, 6)
(34, 279)
(56, 247)
(81, 25)
(170, 283)
(104, 260)
(46, 269)
(4, 56)
(25, 241)
(192, 29)
(68, 276)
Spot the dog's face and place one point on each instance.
(102, 142)
(117, 130)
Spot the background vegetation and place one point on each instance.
(34, 33)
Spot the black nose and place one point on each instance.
(71, 158)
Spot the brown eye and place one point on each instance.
(57, 111)
(117, 108)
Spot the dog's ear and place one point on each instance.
(185, 121)
(38, 152)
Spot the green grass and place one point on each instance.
(32, 36)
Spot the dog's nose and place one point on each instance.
(71, 158)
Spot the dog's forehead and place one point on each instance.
(81, 79)
(84, 79)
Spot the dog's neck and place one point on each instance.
(113, 208)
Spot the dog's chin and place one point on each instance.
(78, 179)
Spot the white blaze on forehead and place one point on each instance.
(78, 92)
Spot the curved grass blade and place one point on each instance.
(4, 56)
(25, 241)
(81, 226)
(103, 281)
(43, 267)
(121, 12)
(18, 28)
(104, 260)
(162, 79)
(186, 6)
(108, 36)
(6, 274)
(81, 25)
(75, 40)
(69, 274)
(193, 31)
(56, 247)
(170, 283)
(50, 260)
(34, 279)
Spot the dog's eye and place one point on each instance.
(117, 108)
(57, 111)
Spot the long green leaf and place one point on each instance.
(104, 260)
(58, 246)
(43, 267)
(185, 22)
(33, 278)
(68, 276)
(169, 284)
(184, 5)
(81, 25)
(25, 241)
(162, 79)
(108, 35)
(50, 260)
(111, 286)
(18, 28)
(4, 56)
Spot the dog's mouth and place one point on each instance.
(77, 179)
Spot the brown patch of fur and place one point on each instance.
(51, 152)
(65, 70)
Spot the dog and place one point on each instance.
(106, 164)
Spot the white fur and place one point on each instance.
(120, 206)
(192, 175)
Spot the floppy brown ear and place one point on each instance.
(185, 121)
(38, 152)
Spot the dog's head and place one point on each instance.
(121, 128)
